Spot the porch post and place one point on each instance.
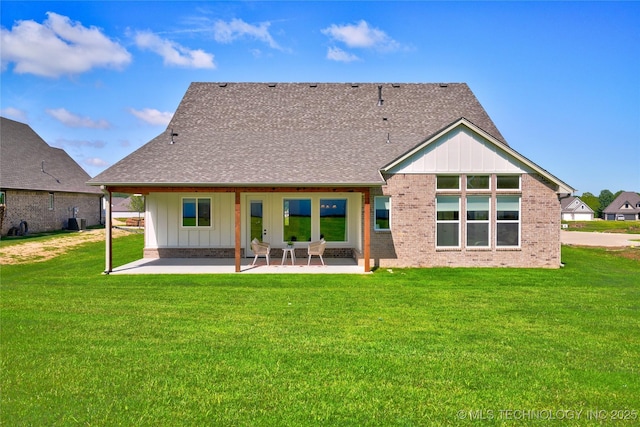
(367, 231)
(238, 244)
(108, 258)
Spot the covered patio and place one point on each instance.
(227, 265)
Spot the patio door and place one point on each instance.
(255, 223)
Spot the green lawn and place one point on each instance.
(402, 347)
(629, 227)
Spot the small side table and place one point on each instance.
(292, 252)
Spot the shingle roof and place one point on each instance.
(618, 203)
(567, 204)
(294, 133)
(22, 153)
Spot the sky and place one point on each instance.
(561, 80)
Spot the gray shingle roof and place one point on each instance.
(294, 133)
(22, 152)
(633, 199)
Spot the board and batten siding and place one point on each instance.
(461, 151)
(164, 228)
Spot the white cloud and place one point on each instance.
(152, 116)
(226, 32)
(95, 162)
(58, 47)
(361, 35)
(15, 114)
(173, 53)
(337, 54)
(73, 120)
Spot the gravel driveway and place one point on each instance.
(582, 238)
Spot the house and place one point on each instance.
(41, 187)
(574, 209)
(624, 207)
(393, 175)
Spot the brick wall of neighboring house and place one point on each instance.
(33, 207)
(412, 240)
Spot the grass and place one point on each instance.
(629, 227)
(407, 347)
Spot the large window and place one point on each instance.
(508, 182)
(508, 221)
(478, 221)
(333, 219)
(196, 212)
(478, 182)
(382, 208)
(297, 220)
(448, 221)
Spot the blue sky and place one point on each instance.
(561, 80)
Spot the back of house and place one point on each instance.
(393, 175)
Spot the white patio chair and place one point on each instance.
(260, 249)
(316, 248)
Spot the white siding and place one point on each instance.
(164, 223)
(461, 151)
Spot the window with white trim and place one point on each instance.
(333, 219)
(51, 202)
(196, 212)
(448, 221)
(508, 182)
(478, 182)
(478, 208)
(382, 213)
(448, 182)
(508, 221)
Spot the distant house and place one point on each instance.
(392, 175)
(624, 207)
(121, 208)
(574, 209)
(41, 186)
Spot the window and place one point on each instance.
(297, 220)
(51, 204)
(196, 212)
(447, 182)
(447, 221)
(382, 208)
(478, 221)
(508, 221)
(508, 182)
(2, 198)
(478, 182)
(333, 219)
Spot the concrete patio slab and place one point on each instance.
(227, 266)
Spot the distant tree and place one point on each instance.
(617, 194)
(592, 201)
(605, 198)
(137, 204)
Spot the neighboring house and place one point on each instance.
(121, 208)
(41, 186)
(574, 209)
(406, 175)
(624, 207)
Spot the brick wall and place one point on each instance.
(33, 207)
(411, 243)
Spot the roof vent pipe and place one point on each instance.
(380, 100)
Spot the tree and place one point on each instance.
(605, 198)
(136, 204)
(592, 201)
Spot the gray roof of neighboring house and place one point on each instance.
(625, 197)
(22, 153)
(294, 133)
(567, 204)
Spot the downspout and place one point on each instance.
(108, 231)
